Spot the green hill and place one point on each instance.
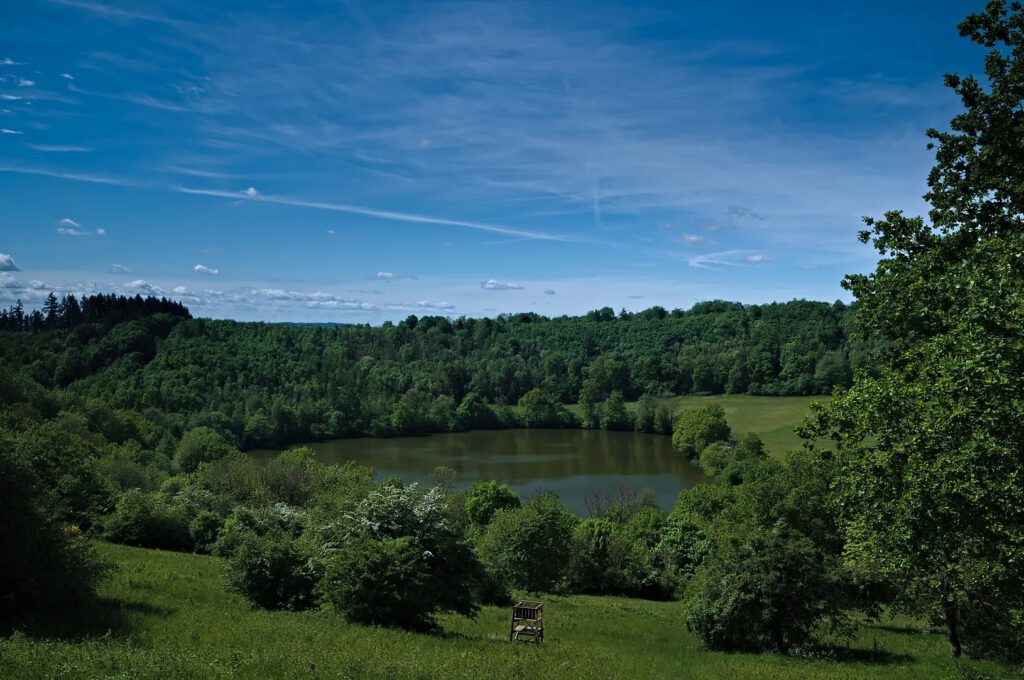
(166, 615)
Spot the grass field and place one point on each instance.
(166, 615)
(770, 418)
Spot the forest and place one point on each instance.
(275, 384)
(123, 420)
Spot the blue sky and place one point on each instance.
(361, 161)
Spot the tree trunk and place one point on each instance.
(779, 637)
(949, 615)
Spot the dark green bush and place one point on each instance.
(398, 560)
(148, 520)
(44, 565)
(272, 572)
(530, 547)
(487, 497)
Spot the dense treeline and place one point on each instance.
(273, 384)
(105, 310)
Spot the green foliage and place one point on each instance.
(148, 520)
(539, 409)
(64, 458)
(201, 445)
(929, 442)
(697, 427)
(487, 497)
(271, 571)
(45, 565)
(398, 560)
(294, 476)
(614, 415)
(529, 547)
(756, 590)
(474, 414)
(204, 529)
(768, 571)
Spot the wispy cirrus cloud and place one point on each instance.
(119, 269)
(207, 271)
(70, 175)
(60, 148)
(372, 212)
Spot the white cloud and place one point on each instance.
(67, 76)
(69, 227)
(24, 82)
(7, 61)
(10, 97)
(59, 148)
(8, 131)
(143, 287)
(203, 269)
(710, 260)
(492, 284)
(7, 263)
(755, 259)
(179, 290)
(119, 269)
(393, 275)
(330, 232)
(693, 239)
(251, 192)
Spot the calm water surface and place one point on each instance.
(573, 463)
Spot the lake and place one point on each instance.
(575, 464)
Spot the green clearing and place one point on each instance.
(773, 419)
(166, 615)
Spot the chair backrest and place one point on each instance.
(529, 611)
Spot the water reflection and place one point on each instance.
(573, 463)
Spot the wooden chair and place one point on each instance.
(527, 622)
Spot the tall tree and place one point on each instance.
(929, 494)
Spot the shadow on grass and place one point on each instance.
(101, 618)
(906, 630)
(879, 657)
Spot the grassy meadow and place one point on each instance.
(773, 419)
(166, 615)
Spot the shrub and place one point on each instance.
(148, 520)
(398, 560)
(272, 572)
(486, 498)
(530, 547)
(205, 530)
(695, 428)
(538, 408)
(278, 518)
(199, 445)
(293, 477)
(44, 565)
